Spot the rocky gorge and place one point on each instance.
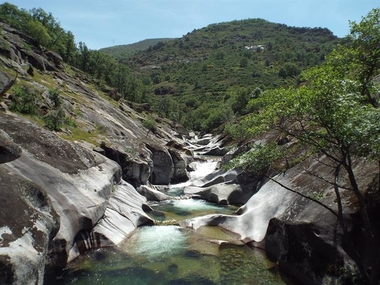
(69, 191)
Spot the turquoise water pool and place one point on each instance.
(168, 254)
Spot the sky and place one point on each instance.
(104, 23)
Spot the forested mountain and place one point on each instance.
(301, 138)
(201, 80)
(206, 77)
(126, 51)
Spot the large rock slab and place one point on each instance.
(152, 194)
(53, 191)
(27, 222)
(163, 166)
(8, 149)
(222, 187)
(301, 235)
(252, 223)
(6, 82)
(124, 213)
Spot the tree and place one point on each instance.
(335, 114)
(243, 62)
(16, 18)
(24, 100)
(55, 117)
(365, 42)
(38, 32)
(55, 98)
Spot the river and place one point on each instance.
(169, 254)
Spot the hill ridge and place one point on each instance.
(198, 78)
(127, 50)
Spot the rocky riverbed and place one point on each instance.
(75, 189)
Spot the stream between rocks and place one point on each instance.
(169, 254)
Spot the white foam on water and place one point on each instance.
(202, 169)
(155, 241)
(193, 205)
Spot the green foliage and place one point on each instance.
(43, 27)
(335, 109)
(24, 100)
(208, 116)
(205, 65)
(289, 69)
(235, 131)
(333, 112)
(258, 159)
(106, 69)
(37, 31)
(126, 51)
(55, 117)
(55, 98)
(202, 67)
(365, 38)
(16, 18)
(150, 124)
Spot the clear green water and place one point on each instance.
(179, 210)
(167, 254)
(174, 255)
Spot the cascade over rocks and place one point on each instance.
(56, 192)
(61, 198)
(303, 237)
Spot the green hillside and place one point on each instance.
(201, 80)
(126, 51)
(206, 77)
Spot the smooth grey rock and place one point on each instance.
(6, 82)
(180, 161)
(27, 221)
(219, 194)
(152, 194)
(300, 235)
(8, 150)
(163, 166)
(124, 213)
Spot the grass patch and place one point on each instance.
(78, 134)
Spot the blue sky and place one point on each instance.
(103, 23)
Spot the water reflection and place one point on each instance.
(170, 255)
(186, 208)
(163, 255)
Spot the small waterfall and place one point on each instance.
(201, 169)
(171, 254)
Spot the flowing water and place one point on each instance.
(169, 254)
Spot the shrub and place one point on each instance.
(54, 119)
(24, 100)
(150, 124)
(55, 98)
